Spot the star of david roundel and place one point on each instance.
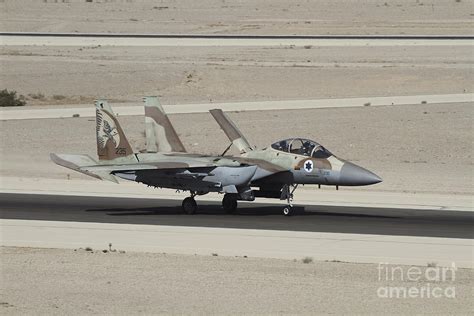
(308, 166)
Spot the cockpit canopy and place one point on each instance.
(301, 146)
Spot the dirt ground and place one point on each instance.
(239, 17)
(414, 148)
(58, 282)
(73, 75)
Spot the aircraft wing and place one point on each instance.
(197, 174)
(144, 166)
(86, 165)
(199, 179)
(195, 169)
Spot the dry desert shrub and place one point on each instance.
(58, 97)
(37, 96)
(10, 98)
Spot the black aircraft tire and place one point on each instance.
(229, 203)
(287, 211)
(189, 206)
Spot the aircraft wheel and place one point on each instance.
(287, 211)
(189, 205)
(229, 203)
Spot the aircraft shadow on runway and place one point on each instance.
(317, 218)
(216, 210)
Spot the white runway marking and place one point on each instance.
(111, 41)
(138, 109)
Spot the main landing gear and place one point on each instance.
(229, 202)
(287, 193)
(189, 204)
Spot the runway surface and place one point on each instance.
(311, 218)
(342, 233)
(137, 107)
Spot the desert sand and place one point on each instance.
(55, 281)
(72, 75)
(241, 17)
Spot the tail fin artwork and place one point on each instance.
(111, 144)
(160, 133)
(111, 140)
(231, 130)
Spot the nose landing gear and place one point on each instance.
(287, 194)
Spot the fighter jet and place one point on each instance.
(271, 172)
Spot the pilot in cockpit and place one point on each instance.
(307, 148)
(283, 146)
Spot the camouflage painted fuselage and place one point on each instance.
(304, 169)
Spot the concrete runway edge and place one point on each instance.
(136, 108)
(239, 242)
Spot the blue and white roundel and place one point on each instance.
(308, 166)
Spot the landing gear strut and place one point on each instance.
(189, 204)
(229, 202)
(288, 194)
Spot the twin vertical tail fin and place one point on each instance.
(160, 133)
(111, 145)
(231, 130)
(111, 140)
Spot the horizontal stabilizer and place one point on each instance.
(231, 130)
(80, 163)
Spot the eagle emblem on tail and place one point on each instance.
(106, 129)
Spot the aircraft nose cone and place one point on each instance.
(352, 174)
